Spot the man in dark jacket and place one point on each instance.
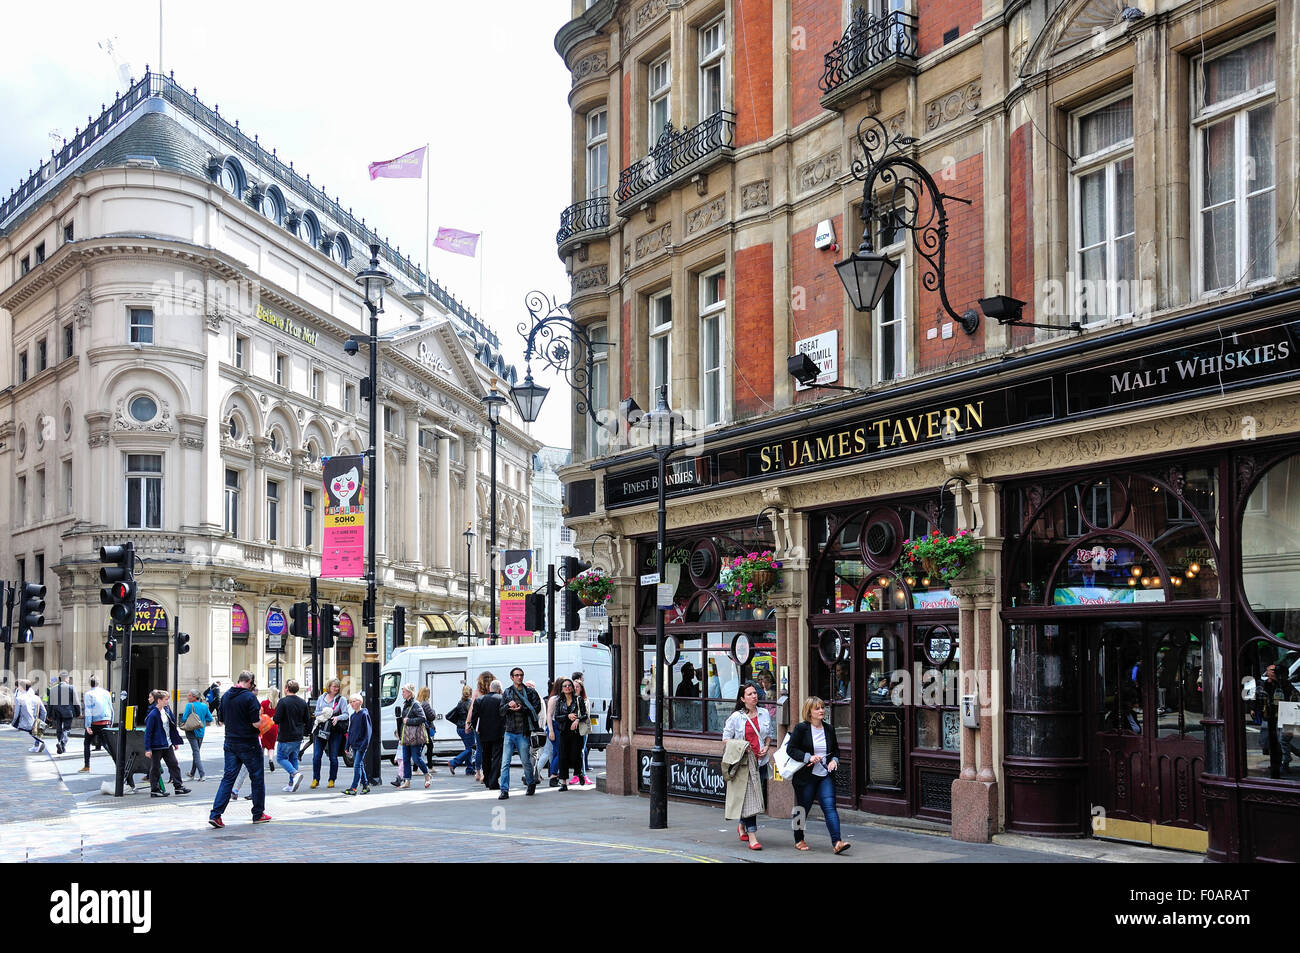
(520, 714)
(241, 713)
(161, 739)
(490, 729)
(291, 715)
(64, 707)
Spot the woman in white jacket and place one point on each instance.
(753, 724)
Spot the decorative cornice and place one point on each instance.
(596, 276)
(952, 106)
(589, 65)
(706, 215)
(818, 171)
(655, 241)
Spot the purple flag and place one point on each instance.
(456, 241)
(409, 166)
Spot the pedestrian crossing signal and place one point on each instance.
(182, 643)
(32, 614)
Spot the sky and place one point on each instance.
(336, 86)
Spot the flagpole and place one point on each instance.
(482, 253)
(427, 203)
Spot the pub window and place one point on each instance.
(712, 346)
(1270, 673)
(144, 489)
(1102, 206)
(1234, 143)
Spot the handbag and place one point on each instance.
(265, 723)
(786, 766)
(193, 722)
(415, 736)
(584, 723)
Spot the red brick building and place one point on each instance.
(1126, 170)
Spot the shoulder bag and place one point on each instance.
(192, 721)
(786, 766)
(415, 736)
(584, 721)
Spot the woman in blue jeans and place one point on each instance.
(410, 719)
(457, 717)
(812, 741)
(328, 730)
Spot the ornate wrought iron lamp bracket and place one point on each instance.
(884, 161)
(554, 350)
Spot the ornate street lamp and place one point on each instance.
(493, 401)
(866, 274)
(540, 339)
(373, 280)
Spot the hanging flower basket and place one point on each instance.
(592, 588)
(747, 580)
(939, 555)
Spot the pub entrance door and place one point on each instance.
(1146, 740)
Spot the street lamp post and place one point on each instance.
(661, 425)
(493, 401)
(469, 581)
(373, 281)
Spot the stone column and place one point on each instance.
(442, 507)
(378, 508)
(621, 768)
(212, 480)
(975, 804)
(469, 444)
(257, 491)
(413, 531)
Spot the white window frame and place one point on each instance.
(281, 369)
(21, 499)
(349, 399)
(660, 330)
(897, 250)
(67, 484)
(657, 94)
(599, 383)
(40, 493)
(143, 478)
(136, 331)
(308, 519)
(713, 313)
(711, 60)
(241, 351)
(1107, 159)
(232, 498)
(1238, 109)
(598, 155)
(317, 379)
(273, 533)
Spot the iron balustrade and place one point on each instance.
(867, 43)
(581, 217)
(266, 161)
(676, 151)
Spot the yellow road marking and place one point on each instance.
(507, 836)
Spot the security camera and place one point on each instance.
(350, 347)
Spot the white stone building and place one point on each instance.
(175, 301)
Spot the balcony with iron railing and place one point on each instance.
(872, 53)
(188, 103)
(675, 157)
(580, 218)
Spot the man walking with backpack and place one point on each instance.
(519, 709)
(241, 713)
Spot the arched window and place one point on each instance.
(341, 251)
(307, 228)
(273, 205)
(232, 177)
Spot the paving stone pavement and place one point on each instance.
(47, 818)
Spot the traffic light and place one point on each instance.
(110, 653)
(571, 605)
(399, 626)
(182, 643)
(300, 620)
(329, 623)
(119, 575)
(32, 611)
(6, 619)
(571, 566)
(535, 612)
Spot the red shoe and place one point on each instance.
(755, 845)
(216, 822)
(262, 820)
(740, 829)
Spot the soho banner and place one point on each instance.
(516, 578)
(343, 550)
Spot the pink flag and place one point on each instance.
(456, 241)
(409, 166)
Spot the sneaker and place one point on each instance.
(40, 746)
(270, 765)
(564, 786)
(582, 780)
(158, 794)
(248, 797)
(555, 782)
(190, 776)
(287, 789)
(330, 785)
(396, 782)
(263, 819)
(315, 782)
(201, 777)
(532, 789)
(59, 749)
(504, 795)
(216, 822)
(365, 790)
(177, 789)
(84, 770)
(296, 782)
(352, 791)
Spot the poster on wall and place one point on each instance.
(238, 620)
(515, 582)
(150, 618)
(343, 550)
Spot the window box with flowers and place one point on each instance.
(748, 579)
(939, 555)
(592, 588)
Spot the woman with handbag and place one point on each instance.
(413, 732)
(194, 718)
(813, 743)
(272, 734)
(570, 713)
(429, 718)
(754, 725)
(328, 731)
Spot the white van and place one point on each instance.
(445, 671)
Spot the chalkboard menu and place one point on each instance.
(885, 749)
(689, 775)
